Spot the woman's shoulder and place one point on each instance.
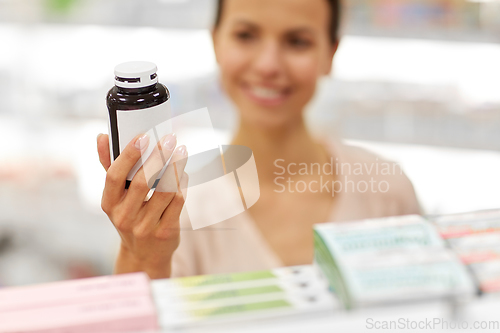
(351, 153)
(374, 178)
(355, 160)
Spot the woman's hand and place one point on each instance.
(149, 230)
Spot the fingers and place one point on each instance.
(170, 180)
(161, 200)
(145, 178)
(103, 150)
(170, 217)
(157, 205)
(184, 185)
(168, 185)
(117, 173)
(172, 183)
(169, 221)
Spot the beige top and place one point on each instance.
(237, 245)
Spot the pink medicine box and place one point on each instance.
(119, 303)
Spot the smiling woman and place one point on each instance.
(269, 62)
(271, 54)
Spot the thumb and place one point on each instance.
(103, 150)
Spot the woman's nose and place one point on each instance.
(268, 61)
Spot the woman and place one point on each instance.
(271, 54)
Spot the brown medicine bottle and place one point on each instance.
(137, 104)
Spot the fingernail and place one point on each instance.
(182, 150)
(142, 142)
(98, 136)
(170, 141)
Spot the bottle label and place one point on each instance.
(135, 122)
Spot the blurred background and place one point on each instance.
(417, 81)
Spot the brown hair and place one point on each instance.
(334, 24)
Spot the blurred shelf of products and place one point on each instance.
(471, 20)
(435, 19)
(416, 81)
(432, 74)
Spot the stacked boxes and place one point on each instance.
(475, 237)
(120, 303)
(395, 259)
(238, 297)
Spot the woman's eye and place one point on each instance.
(244, 36)
(300, 43)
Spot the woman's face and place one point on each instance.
(271, 53)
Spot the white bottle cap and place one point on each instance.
(135, 74)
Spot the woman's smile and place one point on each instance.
(266, 95)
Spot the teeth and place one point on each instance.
(266, 93)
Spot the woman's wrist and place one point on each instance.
(126, 262)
